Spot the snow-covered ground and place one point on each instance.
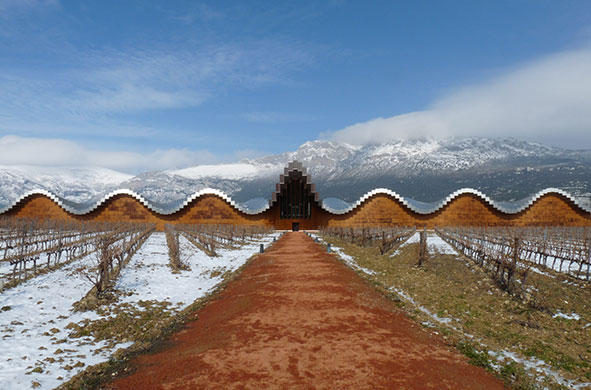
(34, 315)
(413, 239)
(350, 261)
(553, 261)
(565, 267)
(434, 244)
(6, 269)
(149, 277)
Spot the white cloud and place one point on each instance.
(548, 100)
(15, 150)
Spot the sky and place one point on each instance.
(142, 85)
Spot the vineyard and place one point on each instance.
(72, 293)
(32, 247)
(514, 300)
(510, 254)
(383, 238)
(212, 237)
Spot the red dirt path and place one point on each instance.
(297, 318)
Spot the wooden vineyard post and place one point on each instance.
(588, 260)
(513, 267)
(422, 246)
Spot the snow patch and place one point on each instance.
(414, 239)
(149, 277)
(33, 329)
(571, 316)
(539, 366)
(436, 244)
(442, 320)
(349, 260)
(237, 171)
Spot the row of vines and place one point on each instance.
(112, 251)
(30, 247)
(384, 238)
(509, 253)
(211, 238)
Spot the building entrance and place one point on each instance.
(295, 198)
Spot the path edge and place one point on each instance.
(99, 375)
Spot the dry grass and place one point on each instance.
(453, 287)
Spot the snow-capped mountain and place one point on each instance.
(428, 170)
(425, 169)
(418, 157)
(76, 184)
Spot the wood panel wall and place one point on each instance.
(465, 210)
(379, 210)
(209, 209)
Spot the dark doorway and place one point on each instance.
(295, 226)
(295, 197)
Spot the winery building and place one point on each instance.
(295, 204)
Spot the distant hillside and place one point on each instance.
(426, 170)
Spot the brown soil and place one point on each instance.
(297, 318)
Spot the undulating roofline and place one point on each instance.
(81, 209)
(430, 208)
(296, 167)
(411, 204)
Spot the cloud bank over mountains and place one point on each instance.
(547, 101)
(55, 152)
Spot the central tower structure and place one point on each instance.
(295, 194)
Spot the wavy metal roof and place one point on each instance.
(164, 209)
(296, 168)
(415, 206)
(429, 208)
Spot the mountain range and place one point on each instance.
(423, 169)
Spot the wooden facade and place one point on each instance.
(552, 209)
(380, 208)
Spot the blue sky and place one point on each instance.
(154, 84)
